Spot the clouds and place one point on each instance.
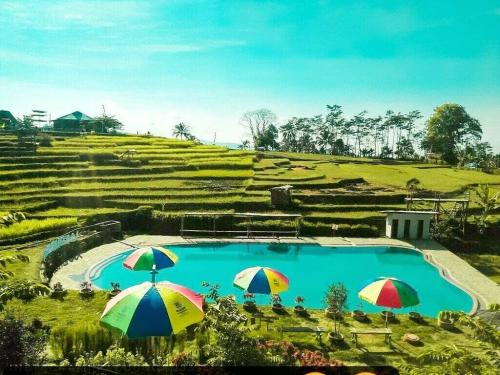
(206, 62)
(62, 15)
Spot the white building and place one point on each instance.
(409, 225)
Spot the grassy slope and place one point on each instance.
(181, 176)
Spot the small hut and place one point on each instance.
(7, 120)
(73, 122)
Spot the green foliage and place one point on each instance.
(21, 289)
(448, 129)
(488, 203)
(115, 356)
(71, 342)
(335, 300)
(13, 217)
(44, 140)
(494, 307)
(20, 344)
(232, 345)
(30, 227)
(4, 259)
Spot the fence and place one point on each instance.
(248, 217)
(75, 234)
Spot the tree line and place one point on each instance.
(450, 134)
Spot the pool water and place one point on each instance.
(310, 269)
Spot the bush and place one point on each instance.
(20, 344)
(70, 342)
(44, 140)
(137, 219)
(98, 157)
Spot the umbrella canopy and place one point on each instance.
(149, 258)
(389, 292)
(151, 309)
(262, 280)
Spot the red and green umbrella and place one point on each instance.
(149, 258)
(262, 280)
(151, 309)
(389, 292)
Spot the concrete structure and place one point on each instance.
(281, 196)
(409, 225)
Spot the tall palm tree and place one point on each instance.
(182, 130)
(289, 134)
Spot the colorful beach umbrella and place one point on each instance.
(389, 292)
(151, 309)
(261, 280)
(149, 258)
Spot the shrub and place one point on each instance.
(44, 140)
(20, 344)
(98, 157)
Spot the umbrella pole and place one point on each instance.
(153, 274)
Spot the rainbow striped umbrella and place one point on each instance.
(262, 280)
(389, 292)
(151, 309)
(149, 258)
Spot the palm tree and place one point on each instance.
(182, 130)
(289, 134)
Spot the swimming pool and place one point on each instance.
(309, 267)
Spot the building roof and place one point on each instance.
(7, 115)
(75, 116)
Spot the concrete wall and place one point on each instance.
(414, 219)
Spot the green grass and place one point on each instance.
(73, 311)
(74, 212)
(27, 227)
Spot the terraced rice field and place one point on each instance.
(78, 177)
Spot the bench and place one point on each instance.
(387, 332)
(262, 318)
(317, 330)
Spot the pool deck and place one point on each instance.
(483, 290)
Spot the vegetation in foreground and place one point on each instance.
(68, 327)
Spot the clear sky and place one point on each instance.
(154, 63)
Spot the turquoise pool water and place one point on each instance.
(310, 269)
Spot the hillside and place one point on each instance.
(78, 178)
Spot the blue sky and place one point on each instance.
(154, 63)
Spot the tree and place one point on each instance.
(245, 145)
(20, 344)
(404, 149)
(257, 122)
(104, 123)
(232, 346)
(289, 135)
(412, 185)
(335, 299)
(269, 138)
(182, 131)
(449, 129)
(334, 122)
(487, 202)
